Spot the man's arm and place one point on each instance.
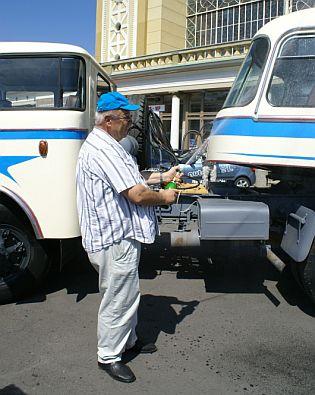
(156, 177)
(143, 196)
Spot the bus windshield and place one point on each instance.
(246, 84)
(42, 82)
(293, 78)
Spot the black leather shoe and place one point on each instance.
(118, 371)
(143, 348)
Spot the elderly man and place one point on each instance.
(116, 216)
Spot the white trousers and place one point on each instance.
(117, 266)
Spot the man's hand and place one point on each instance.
(168, 195)
(172, 175)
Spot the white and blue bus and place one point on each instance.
(268, 118)
(268, 121)
(48, 95)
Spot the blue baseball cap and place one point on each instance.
(115, 101)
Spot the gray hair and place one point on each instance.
(100, 116)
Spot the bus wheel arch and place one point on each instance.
(15, 204)
(23, 259)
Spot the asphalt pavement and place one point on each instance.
(226, 326)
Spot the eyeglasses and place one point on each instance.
(128, 119)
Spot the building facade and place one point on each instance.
(183, 55)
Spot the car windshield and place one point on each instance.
(42, 83)
(246, 84)
(293, 78)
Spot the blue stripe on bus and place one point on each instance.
(272, 156)
(249, 127)
(8, 161)
(43, 134)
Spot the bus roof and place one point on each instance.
(39, 47)
(296, 20)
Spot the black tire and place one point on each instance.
(23, 260)
(304, 273)
(242, 182)
(139, 128)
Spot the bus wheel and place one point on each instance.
(23, 261)
(304, 272)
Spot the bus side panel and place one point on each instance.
(46, 184)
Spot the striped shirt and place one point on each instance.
(104, 170)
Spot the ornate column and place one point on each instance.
(119, 29)
(175, 122)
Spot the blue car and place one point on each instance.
(241, 176)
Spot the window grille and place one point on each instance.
(211, 22)
(298, 5)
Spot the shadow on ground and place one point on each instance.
(11, 390)
(227, 268)
(156, 314)
(232, 268)
(78, 277)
